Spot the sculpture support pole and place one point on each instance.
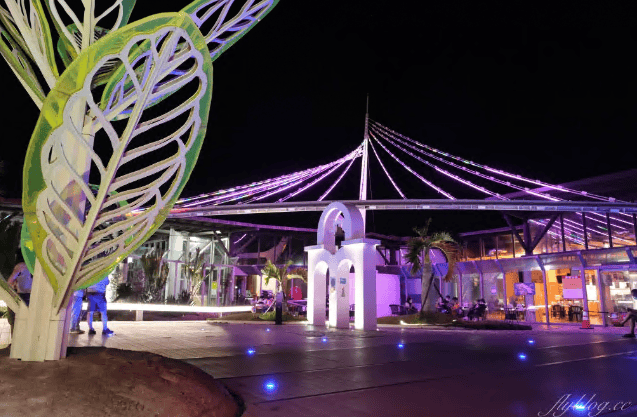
(40, 334)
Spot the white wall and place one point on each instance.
(387, 292)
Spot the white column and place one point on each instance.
(365, 285)
(173, 255)
(315, 288)
(339, 295)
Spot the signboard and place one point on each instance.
(572, 287)
(494, 290)
(296, 293)
(524, 288)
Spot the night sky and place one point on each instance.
(544, 90)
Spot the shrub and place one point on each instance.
(270, 316)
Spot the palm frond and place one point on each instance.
(418, 249)
(270, 271)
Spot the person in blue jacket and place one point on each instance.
(96, 294)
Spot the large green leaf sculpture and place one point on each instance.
(118, 135)
(223, 33)
(77, 244)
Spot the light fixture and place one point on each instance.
(270, 386)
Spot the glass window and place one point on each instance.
(616, 286)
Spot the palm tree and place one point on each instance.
(282, 275)
(418, 256)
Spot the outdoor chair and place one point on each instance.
(395, 309)
(510, 314)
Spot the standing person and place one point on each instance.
(632, 317)
(96, 294)
(76, 312)
(21, 281)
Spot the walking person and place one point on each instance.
(76, 312)
(96, 294)
(632, 317)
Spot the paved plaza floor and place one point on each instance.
(298, 369)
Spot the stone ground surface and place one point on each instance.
(329, 372)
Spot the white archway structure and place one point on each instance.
(354, 251)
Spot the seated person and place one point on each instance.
(477, 309)
(409, 306)
(455, 307)
(441, 305)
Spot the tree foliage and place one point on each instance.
(419, 254)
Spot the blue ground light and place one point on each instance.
(324, 339)
(522, 356)
(267, 330)
(401, 345)
(579, 407)
(251, 352)
(531, 341)
(270, 386)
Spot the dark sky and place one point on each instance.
(546, 90)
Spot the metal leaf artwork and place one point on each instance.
(31, 23)
(118, 135)
(225, 32)
(79, 33)
(222, 35)
(69, 243)
(15, 52)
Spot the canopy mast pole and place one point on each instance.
(362, 193)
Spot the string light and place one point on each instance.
(337, 181)
(438, 189)
(386, 173)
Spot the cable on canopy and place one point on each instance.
(385, 170)
(430, 184)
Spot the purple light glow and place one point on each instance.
(490, 178)
(385, 170)
(337, 180)
(300, 190)
(497, 171)
(236, 193)
(438, 189)
(447, 173)
(470, 171)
